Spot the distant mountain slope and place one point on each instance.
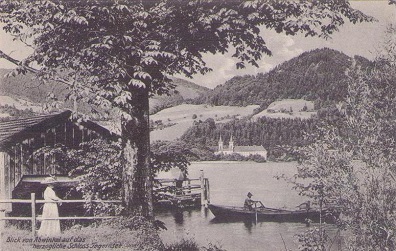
(317, 74)
(185, 91)
(24, 87)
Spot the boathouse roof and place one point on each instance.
(17, 130)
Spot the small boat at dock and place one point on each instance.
(269, 214)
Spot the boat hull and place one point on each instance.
(267, 214)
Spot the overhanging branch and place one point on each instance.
(31, 69)
(36, 71)
(16, 62)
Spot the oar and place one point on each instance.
(272, 209)
(278, 209)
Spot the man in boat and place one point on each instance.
(249, 202)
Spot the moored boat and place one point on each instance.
(269, 214)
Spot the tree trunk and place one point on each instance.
(137, 181)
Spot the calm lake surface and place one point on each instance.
(229, 184)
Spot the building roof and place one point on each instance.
(14, 127)
(241, 149)
(33, 184)
(249, 148)
(60, 180)
(18, 129)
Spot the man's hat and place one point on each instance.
(249, 194)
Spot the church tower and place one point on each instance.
(231, 144)
(221, 145)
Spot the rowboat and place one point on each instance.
(268, 214)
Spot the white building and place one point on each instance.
(241, 150)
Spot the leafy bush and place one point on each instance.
(191, 245)
(351, 163)
(313, 239)
(183, 245)
(98, 166)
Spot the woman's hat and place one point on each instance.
(249, 194)
(49, 180)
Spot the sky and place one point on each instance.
(362, 39)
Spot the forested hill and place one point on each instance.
(317, 74)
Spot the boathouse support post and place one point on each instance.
(203, 193)
(207, 190)
(2, 222)
(33, 207)
(5, 182)
(3, 188)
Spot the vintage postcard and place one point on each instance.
(197, 125)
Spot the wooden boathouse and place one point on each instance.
(21, 173)
(19, 138)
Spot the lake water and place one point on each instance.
(229, 184)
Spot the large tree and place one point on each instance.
(119, 53)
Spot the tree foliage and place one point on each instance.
(170, 154)
(111, 48)
(97, 165)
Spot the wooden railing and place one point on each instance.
(34, 218)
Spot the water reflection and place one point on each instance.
(248, 225)
(200, 224)
(178, 216)
(205, 212)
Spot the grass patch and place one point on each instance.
(191, 245)
(132, 234)
(122, 234)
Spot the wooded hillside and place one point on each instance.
(317, 74)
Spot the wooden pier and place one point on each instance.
(182, 193)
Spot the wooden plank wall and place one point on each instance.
(19, 161)
(5, 185)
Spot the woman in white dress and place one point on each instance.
(50, 210)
